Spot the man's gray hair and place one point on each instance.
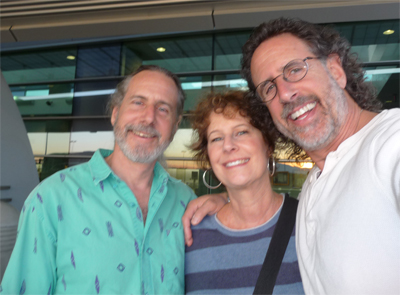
(118, 96)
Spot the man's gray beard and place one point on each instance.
(139, 154)
(332, 124)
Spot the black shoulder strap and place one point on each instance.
(277, 247)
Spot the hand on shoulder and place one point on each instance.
(197, 209)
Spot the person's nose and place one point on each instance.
(148, 115)
(286, 91)
(229, 144)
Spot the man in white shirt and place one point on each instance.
(348, 222)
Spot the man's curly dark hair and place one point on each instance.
(322, 41)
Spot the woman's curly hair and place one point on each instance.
(229, 104)
(322, 41)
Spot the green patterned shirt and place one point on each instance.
(81, 231)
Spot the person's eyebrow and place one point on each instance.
(165, 103)
(234, 127)
(136, 96)
(214, 131)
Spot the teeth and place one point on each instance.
(238, 162)
(303, 110)
(143, 134)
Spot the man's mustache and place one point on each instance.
(290, 106)
(143, 129)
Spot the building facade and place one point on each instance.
(62, 68)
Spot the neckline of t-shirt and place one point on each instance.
(270, 222)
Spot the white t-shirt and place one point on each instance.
(348, 220)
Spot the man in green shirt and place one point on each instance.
(112, 225)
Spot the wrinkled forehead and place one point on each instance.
(273, 54)
(153, 84)
(152, 77)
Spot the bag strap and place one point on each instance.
(277, 247)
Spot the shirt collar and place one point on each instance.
(100, 169)
(98, 165)
(161, 175)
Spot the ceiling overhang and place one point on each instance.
(27, 21)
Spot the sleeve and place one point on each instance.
(32, 266)
(192, 195)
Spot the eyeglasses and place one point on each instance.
(294, 71)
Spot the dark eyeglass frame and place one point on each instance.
(264, 83)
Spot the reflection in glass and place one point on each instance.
(91, 97)
(386, 81)
(58, 142)
(38, 66)
(82, 142)
(369, 41)
(189, 173)
(188, 176)
(98, 61)
(38, 141)
(229, 82)
(182, 54)
(377, 52)
(195, 87)
(192, 54)
(179, 147)
(45, 143)
(228, 50)
(47, 99)
(289, 177)
(52, 165)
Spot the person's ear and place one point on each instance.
(114, 115)
(334, 65)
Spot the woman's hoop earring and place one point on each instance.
(205, 182)
(271, 173)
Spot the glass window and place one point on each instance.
(228, 50)
(386, 81)
(91, 97)
(47, 125)
(46, 143)
(229, 82)
(58, 143)
(289, 177)
(82, 142)
(98, 61)
(189, 173)
(39, 66)
(195, 87)
(197, 54)
(47, 99)
(179, 147)
(38, 141)
(371, 41)
(177, 54)
(48, 136)
(51, 165)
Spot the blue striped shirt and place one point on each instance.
(226, 261)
